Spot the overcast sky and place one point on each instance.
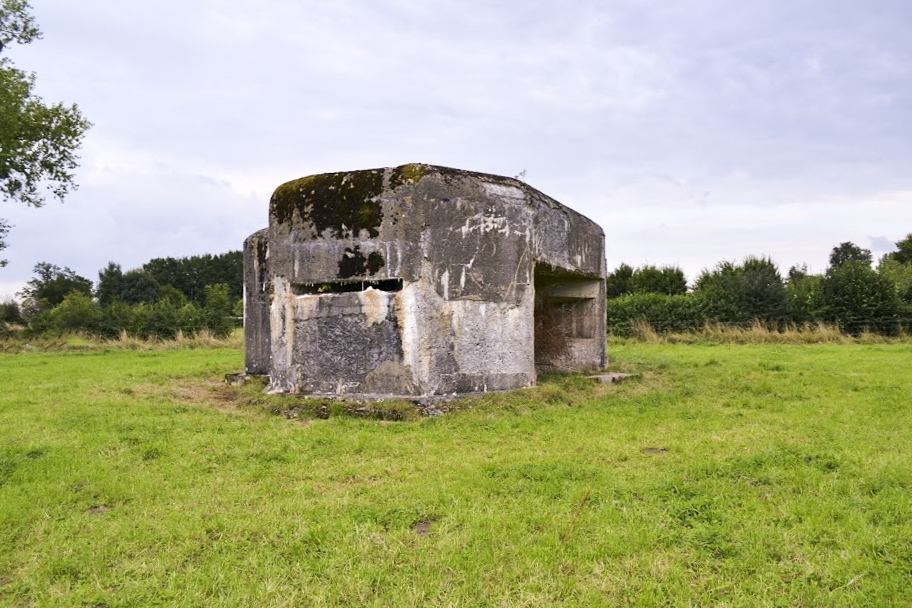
(692, 131)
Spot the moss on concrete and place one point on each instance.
(343, 203)
(355, 264)
(407, 174)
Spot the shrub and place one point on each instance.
(77, 312)
(898, 273)
(663, 312)
(10, 312)
(217, 311)
(741, 294)
(804, 294)
(857, 298)
(618, 283)
(668, 280)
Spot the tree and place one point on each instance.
(856, 297)
(804, 292)
(191, 275)
(903, 254)
(618, 282)
(847, 251)
(217, 311)
(668, 280)
(51, 285)
(77, 312)
(138, 287)
(899, 274)
(10, 312)
(170, 296)
(110, 285)
(742, 293)
(4, 230)
(38, 142)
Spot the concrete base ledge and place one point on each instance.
(611, 378)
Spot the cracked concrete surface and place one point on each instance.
(420, 280)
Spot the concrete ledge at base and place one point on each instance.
(613, 377)
(428, 405)
(240, 378)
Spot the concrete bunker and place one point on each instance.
(420, 281)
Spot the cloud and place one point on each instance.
(693, 131)
(881, 244)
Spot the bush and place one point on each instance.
(10, 312)
(217, 311)
(858, 298)
(804, 295)
(741, 294)
(77, 312)
(898, 273)
(618, 283)
(663, 312)
(668, 280)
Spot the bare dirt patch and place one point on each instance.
(423, 528)
(653, 451)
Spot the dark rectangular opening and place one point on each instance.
(565, 312)
(325, 287)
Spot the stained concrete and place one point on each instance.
(420, 281)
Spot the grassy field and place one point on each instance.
(762, 475)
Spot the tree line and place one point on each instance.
(167, 295)
(852, 294)
(164, 296)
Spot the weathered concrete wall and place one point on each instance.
(256, 304)
(417, 280)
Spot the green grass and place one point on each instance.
(763, 475)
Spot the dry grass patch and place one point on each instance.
(80, 342)
(758, 333)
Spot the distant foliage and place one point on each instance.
(161, 320)
(135, 286)
(619, 281)
(667, 280)
(849, 252)
(217, 311)
(138, 287)
(804, 293)
(858, 298)
(192, 275)
(665, 313)
(903, 255)
(11, 312)
(851, 295)
(740, 294)
(4, 230)
(51, 285)
(110, 284)
(133, 302)
(899, 274)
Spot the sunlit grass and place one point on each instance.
(722, 475)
